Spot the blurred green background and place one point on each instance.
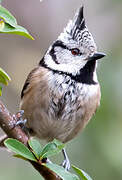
(98, 149)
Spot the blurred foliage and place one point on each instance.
(9, 25)
(4, 78)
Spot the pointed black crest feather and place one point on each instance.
(79, 24)
(80, 21)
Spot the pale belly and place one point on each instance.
(66, 115)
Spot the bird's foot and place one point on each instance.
(66, 162)
(19, 120)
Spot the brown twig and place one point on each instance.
(7, 123)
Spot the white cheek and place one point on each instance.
(73, 67)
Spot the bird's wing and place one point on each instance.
(27, 82)
(35, 89)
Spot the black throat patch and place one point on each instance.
(86, 74)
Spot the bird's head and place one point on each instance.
(74, 48)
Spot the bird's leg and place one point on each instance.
(19, 121)
(66, 162)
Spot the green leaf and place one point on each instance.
(9, 25)
(4, 74)
(0, 91)
(18, 30)
(51, 149)
(81, 173)
(7, 16)
(36, 147)
(58, 143)
(20, 157)
(3, 80)
(2, 24)
(60, 171)
(19, 148)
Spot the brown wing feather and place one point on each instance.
(35, 97)
(27, 82)
(35, 91)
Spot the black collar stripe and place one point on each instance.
(85, 76)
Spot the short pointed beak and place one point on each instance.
(96, 56)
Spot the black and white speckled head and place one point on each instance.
(77, 34)
(73, 49)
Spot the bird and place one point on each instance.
(62, 93)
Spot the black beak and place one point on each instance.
(96, 56)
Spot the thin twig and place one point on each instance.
(7, 123)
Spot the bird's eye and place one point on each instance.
(75, 51)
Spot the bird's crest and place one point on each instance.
(77, 30)
(78, 24)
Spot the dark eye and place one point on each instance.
(75, 51)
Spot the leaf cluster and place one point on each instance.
(36, 153)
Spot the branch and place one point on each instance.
(7, 123)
